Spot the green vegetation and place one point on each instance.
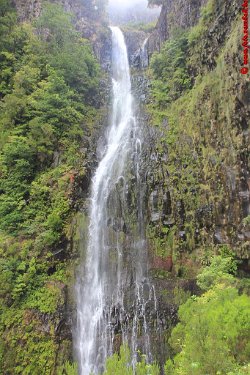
(212, 336)
(193, 104)
(49, 97)
(49, 100)
(68, 369)
(146, 27)
(120, 364)
(169, 69)
(221, 268)
(213, 330)
(201, 136)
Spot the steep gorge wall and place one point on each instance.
(174, 15)
(199, 189)
(182, 233)
(196, 156)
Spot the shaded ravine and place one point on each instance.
(113, 288)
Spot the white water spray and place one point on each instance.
(101, 310)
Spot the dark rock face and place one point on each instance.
(218, 34)
(134, 41)
(161, 212)
(223, 222)
(216, 223)
(174, 14)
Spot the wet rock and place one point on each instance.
(134, 41)
(188, 14)
(182, 235)
(220, 236)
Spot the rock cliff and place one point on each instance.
(195, 169)
(174, 15)
(199, 185)
(196, 151)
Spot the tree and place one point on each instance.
(67, 52)
(170, 75)
(222, 268)
(212, 336)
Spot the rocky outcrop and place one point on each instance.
(177, 244)
(221, 218)
(27, 10)
(135, 41)
(174, 15)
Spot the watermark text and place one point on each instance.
(245, 19)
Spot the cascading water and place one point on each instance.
(144, 54)
(113, 288)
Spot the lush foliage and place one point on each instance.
(43, 113)
(212, 336)
(49, 97)
(121, 364)
(169, 69)
(68, 369)
(221, 268)
(201, 139)
(201, 136)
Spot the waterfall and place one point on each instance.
(144, 54)
(114, 278)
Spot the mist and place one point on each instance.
(123, 4)
(123, 11)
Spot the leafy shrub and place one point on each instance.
(221, 269)
(46, 299)
(68, 369)
(49, 82)
(120, 364)
(170, 76)
(212, 336)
